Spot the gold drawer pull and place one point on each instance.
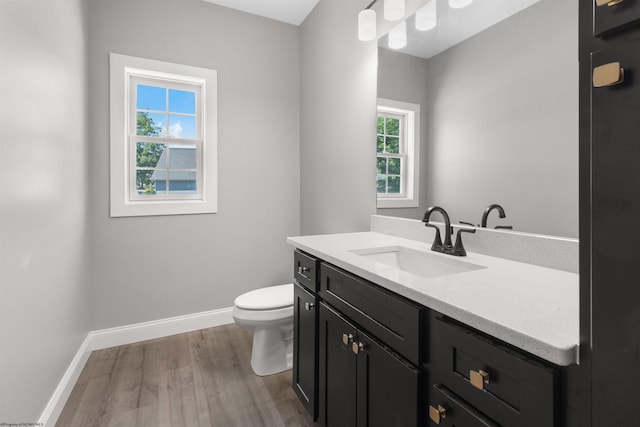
(608, 75)
(437, 414)
(478, 378)
(608, 2)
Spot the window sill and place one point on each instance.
(391, 203)
(162, 207)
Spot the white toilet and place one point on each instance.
(268, 312)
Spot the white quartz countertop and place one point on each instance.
(531, 307)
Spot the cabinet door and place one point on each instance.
(337, 370)
(305, 347)
(615, 239)
(388, 387)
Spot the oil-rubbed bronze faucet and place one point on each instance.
(501, 213)
(446, 247)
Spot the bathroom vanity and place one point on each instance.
(477, 341)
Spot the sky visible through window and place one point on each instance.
(170, 109)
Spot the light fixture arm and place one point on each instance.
(371, 4)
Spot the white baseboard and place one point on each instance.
(122, 335)
(159, 328)
(55, 405)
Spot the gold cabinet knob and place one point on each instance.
(608, 2)
(437, 414)
(478, 378)
(347, 338)
(608, 75)
(357, 347)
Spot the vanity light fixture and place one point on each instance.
(459, 4)
(367, 25)
(367, 30)
(398, 36)
(426, 16)
(393, 10)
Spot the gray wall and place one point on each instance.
(337, 147)
(149, 268)
(43, 232)
(405, 78)
(503, 125)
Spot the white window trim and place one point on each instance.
(121, 68)
(412, 132)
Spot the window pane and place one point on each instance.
(181, 101)
(382, 165)
(380, 148)
(150, 124)
(150, 155)
(382, 184)
(393, 144)
(394, 184)
(151, 98)
(394, 166)
(182, 182)
(149, 182)
(380, 125)
(182, 126)
(182, 157)
(393, 126)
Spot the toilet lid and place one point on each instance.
(269, 298)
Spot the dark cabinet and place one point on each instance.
(305, 330)
(500, 383)
(305, 342)
(362, 356)
(395, 320)
(362, 383)
(614, 15)
(615, 236)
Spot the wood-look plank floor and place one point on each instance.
(200, 378)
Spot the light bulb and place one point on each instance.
(426, 17)
(393, 10)
(457, 4)
(398, 36)
(367, 25)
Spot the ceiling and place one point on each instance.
(289, 11)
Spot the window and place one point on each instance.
(397, 147)
(163, 138)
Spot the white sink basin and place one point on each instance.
(420, 263)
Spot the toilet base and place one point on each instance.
(272, 350)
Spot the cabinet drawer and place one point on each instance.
(305, 270)
(448, 410)
(394, 320)
(607, 18)
(507, 386)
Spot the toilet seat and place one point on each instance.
(262, 317)
(265, 299)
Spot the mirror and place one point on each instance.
(497, 86)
